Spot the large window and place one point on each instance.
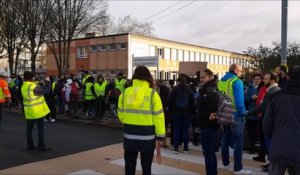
(167, 53)
(197, 57)
(192, 56)
(81, 52)
(94, 48)
(202, 58)
(186, 55)
(180, 55)
(174, 54)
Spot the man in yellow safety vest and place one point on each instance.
(35, 109)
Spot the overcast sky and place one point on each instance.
(228, 25)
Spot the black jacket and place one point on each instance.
(282, 124)
(207, 103)
(182, 111)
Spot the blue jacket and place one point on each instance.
(251, 104)
(238, 93)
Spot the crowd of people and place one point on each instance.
(266, 107)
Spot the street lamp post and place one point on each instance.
(284, 18)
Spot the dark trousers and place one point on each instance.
(130, 162)
(99, 108)
(262, 151)
(29, 128)
(52, 107)
(209, 143)
(0, 113)
(252, 133)
(181, 128)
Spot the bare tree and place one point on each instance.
(13, 31)
(67, 19)
(128, 24)
(36, 13)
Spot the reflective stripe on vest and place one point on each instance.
(138, 137)
(138, 111)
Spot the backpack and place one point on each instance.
(74, 89)
(182, 98)
(226, 109)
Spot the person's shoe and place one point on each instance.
(186, 151)
(266, 169)
(31, 148)
(52, 120)
(195, 143)
(44, 149)
(242, 171)
(259, 159)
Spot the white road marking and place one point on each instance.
(156, 168)
(86, 172)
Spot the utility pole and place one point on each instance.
(284, 19)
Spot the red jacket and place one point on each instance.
(261, 95)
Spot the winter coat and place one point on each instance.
(282, 124)
(207, 103)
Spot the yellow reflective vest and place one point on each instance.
(88, 92)
(120, 84)
(35, 107)
(140, 107)
(100, 89)
(227, 88)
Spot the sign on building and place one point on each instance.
(148, 61)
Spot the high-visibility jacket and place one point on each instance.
(120, 84)
(4, 91)
(227, 88)
(88, 92)
(140, 110)
(35, 106)
(100, 89)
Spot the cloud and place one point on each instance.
(229, 25)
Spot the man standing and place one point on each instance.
(120, 82)
(234, 88)
(35, 109)
(4, 94)
(282, 124)
(270, 81)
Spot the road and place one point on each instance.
(64, 138)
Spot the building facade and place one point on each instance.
(108, 55)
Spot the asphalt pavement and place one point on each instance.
(63, 137)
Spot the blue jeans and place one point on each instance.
(233, 136)
(181, 129)
(209, 142)
(29, 128)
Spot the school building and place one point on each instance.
(108, 55)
